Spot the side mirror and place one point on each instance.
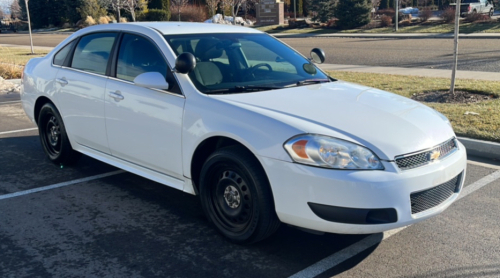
(185, 63)
(318, 55)
(152, 80)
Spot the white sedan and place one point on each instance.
(254, 128)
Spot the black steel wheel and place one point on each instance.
(236, 196)
(53, 136)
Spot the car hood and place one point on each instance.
(388, 124)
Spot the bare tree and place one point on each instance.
(15, 10)
(212, 6)
(1, 13)
(178, 5)
(132, 5)
(225, 4)
(235, 7)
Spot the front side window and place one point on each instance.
(92, 52)
(138, 55)
(230, 63)
(60, 57)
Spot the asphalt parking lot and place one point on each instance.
(92, 220)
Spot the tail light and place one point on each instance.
(468, 9)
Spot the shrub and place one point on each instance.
(10, 71)
(385, 20)
(475, 17)
(190, 13)
(154, 15)
(388, 12)
(89, 21)
(66, 25)
(123, 20)
(448, 15)
(425, 14)
(352, 13)
(103, 20)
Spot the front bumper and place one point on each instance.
(295, 185)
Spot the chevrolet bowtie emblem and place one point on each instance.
(434, 155)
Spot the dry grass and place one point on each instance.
(13, 59)
(485, 126)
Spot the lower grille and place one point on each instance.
(427, 199)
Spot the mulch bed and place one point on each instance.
(447, 97)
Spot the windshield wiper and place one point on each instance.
(241, 89)
(311, 81)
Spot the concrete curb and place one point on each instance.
(15, 81)
(480, 148)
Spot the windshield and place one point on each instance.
(230, 63)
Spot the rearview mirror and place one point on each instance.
(152, 80)
(318, 55)
(185, 63)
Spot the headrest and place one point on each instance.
(207, 49)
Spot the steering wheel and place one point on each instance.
(251, 71)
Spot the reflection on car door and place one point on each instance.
(144, 125)
(80, 91)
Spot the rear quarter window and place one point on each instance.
(60, 57)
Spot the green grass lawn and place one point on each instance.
(465, 28)
(485, 126)
(12, 59)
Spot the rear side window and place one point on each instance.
(92, 52)
(60, 57)
(138, 55)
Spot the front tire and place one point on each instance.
(236, 196)
(53, 136)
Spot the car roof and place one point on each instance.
(174, 28)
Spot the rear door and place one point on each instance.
(144, 125)
(80, 87)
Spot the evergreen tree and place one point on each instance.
(352, 13)
(322, 9)
(391, 4)
(159, 4)
(384, 4)
(91, 8)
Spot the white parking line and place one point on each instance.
(10, 102)
(57, 185)
(370, 241)
(19, 130)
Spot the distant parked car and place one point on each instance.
(475, 6)
(253, 127)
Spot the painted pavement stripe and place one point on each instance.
(58, 185)
(19, 130)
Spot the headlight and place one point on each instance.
(330, 152)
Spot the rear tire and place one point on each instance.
(53, 136)
(236, 196)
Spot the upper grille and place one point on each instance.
(411, 161)
(427, 199)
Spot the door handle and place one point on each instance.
(62, 81)
(116, 96)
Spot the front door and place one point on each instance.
(144, 125)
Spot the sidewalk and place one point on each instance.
(462, 74)
(390, 35)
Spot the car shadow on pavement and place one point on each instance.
(126, 225)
